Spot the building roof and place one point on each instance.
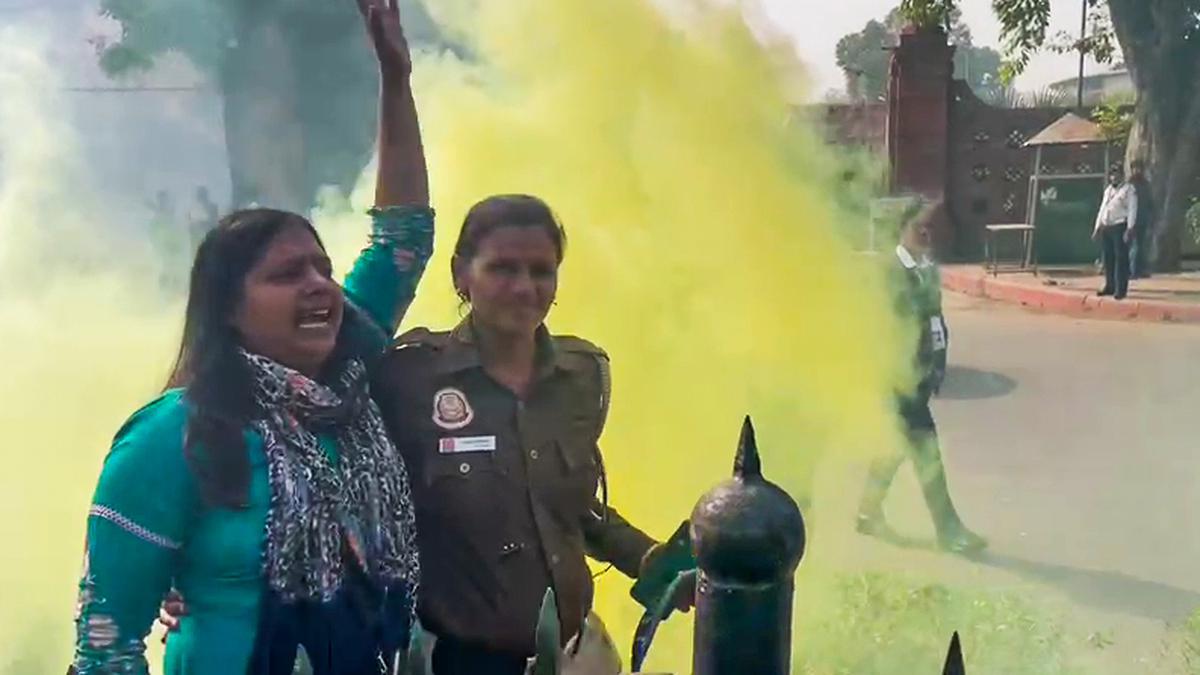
(1117, 74)
(1070, 129)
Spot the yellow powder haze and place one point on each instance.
(704, 257)
(703, 253)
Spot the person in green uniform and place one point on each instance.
(262, 483)
(918, 299)
(498, 421)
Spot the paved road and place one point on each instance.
(1074, 445)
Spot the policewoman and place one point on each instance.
(916, 285)
(498, 421)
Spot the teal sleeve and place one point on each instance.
(136, 527)
(384, 278)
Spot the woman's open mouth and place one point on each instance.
(316, 319)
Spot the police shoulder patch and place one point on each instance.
(571, 343)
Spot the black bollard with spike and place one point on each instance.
(954, 658)
(748, 536)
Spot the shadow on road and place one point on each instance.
(965, 384)
(1104, 590)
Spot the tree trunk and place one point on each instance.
(1180, 185)
(301, 91)
(1164, 66)
(263, 134)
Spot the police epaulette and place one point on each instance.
(571, 343)
(419, 337)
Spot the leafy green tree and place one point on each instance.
(863, 56)
(864, 61)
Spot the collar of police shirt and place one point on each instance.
(1114, 194)
(909, 262)
(462, 352)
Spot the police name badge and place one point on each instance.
(461, 444)
(938, 330)
(451, 409)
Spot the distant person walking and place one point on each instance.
(916, 284)
(162, 219)
(1115, 225)
(201, 217)
(169, 240)
(1143, 237)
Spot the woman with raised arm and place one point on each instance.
(262, 484)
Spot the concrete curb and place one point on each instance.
(979, 284)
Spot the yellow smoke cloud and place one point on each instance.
(704, 256)
(704, 252)
(82, 349)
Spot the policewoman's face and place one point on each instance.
(512, 280)
(291, 307)
(917, 238)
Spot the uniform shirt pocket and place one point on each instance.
(462, 471)
(571, 484)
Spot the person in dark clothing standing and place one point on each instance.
(918, 299)
(1139, 250)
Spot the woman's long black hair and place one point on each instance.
(217, 382)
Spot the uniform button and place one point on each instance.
(464, 468)
(533, 454)
(554, 559)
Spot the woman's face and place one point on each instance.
(291, 309)
(512, 280)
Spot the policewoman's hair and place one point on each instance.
(503, 211)
(217, 381)
(926, 210)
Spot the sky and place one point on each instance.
(815, 36)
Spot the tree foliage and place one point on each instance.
(1098, 41)
(205, 31)
(864, 60)
(1115, 120)
(930, 13)
(200, 30)
(1023, 25)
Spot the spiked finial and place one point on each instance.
(747, 464)
(954, 659)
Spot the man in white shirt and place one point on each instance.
(1115, 226)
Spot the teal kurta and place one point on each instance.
(148, 528)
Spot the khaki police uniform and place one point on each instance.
(505, 489)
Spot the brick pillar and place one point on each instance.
(918, 133)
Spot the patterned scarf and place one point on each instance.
(319, 509)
